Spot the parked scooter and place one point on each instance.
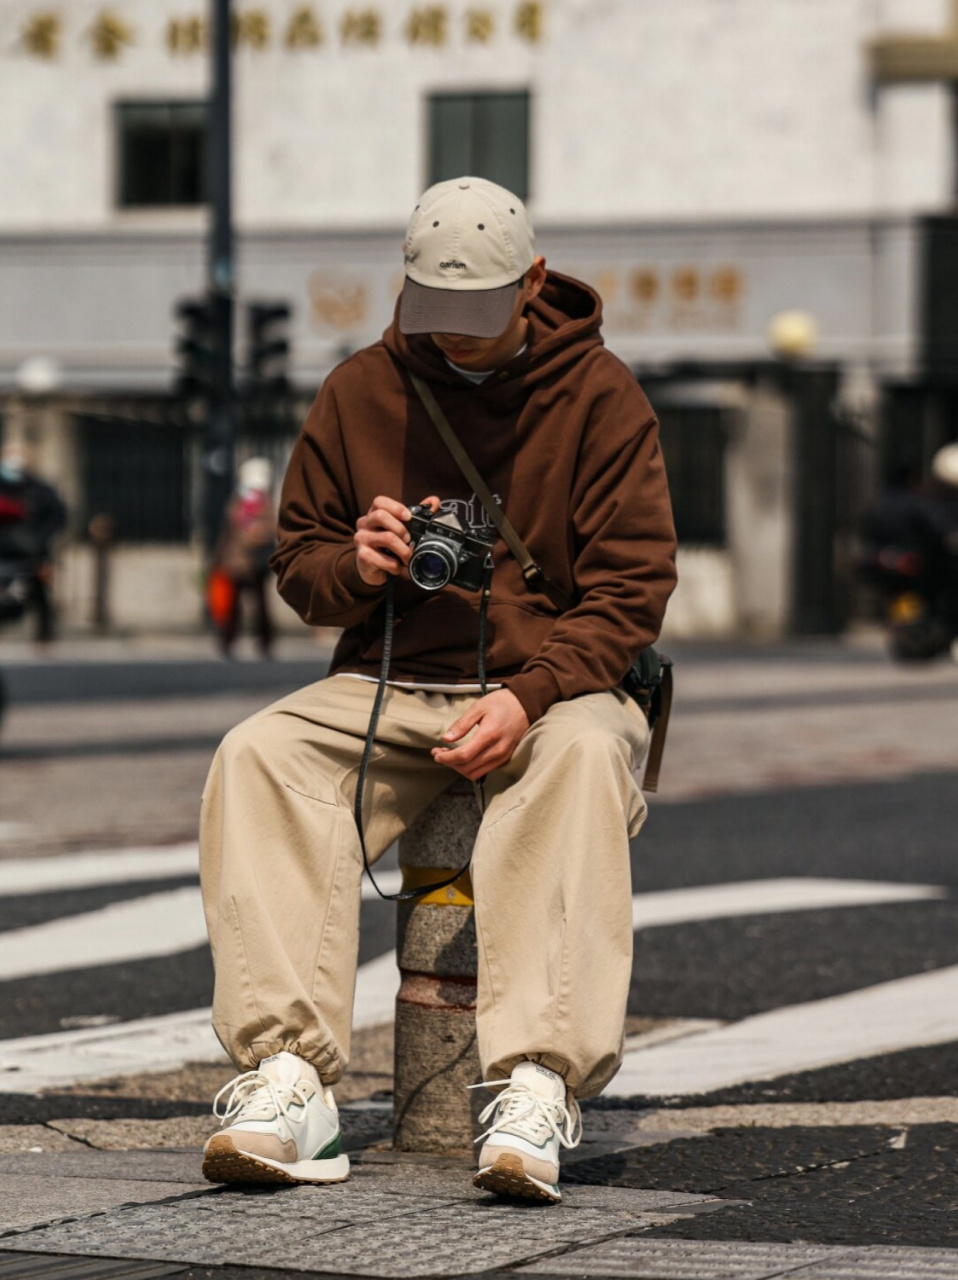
(909, 554)
(920, 609)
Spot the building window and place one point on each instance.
(161, 153)
(138, 473)
(693, 444)
(484, 134)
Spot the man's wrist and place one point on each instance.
(536, 690)
(347, 570)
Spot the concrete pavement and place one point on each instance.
(801, 854)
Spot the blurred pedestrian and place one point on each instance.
(32, 513)
(242, 556)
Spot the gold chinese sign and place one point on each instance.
(186, 35)
(686, 297)
(41, 35)
(110, 35)
(257, 28)
(428, 25)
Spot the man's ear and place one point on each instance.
(535, 278)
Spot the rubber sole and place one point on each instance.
(507, 1177)
(224, 1162)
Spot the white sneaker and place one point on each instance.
(534, 1117)
(279, 1125)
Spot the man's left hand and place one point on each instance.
(499, 723)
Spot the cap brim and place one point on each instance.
(475, 313)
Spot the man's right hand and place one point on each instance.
(382, 539)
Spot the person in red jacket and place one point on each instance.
(242, 554)
(32, 513)
(568, 444)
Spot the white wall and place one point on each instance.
(702, 108)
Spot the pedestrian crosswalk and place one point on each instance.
(696, 1055)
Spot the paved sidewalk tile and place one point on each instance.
(880, 1263)
(31, 1200)
(655, 1259)
(357, 1229)
(125, 1166)
(641, 1259)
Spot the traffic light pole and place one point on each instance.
(219, 442)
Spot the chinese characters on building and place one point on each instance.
(257, 28)
(110, 35)
(687, 296)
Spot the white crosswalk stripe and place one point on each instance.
(922, 1009)
(918, 1010)
(123, 866)
(161, 924)
(33, 1063)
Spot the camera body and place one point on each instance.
(447, 552)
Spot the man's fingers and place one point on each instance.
(374, 559)
(482, 765)
(431, 502)
(462, 754)
(394, 508)
(383, 520)
(459, 728)
(383, 540)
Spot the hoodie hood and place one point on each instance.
(564, 323)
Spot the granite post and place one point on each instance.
(436, 1054)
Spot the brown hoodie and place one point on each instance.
(565, 439)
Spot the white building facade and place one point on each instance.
(708, 165)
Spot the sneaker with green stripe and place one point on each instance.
(278, 1125)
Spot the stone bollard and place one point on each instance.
(436, 1055)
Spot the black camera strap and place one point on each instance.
(532, 573)
(658, 699)
(404, 895)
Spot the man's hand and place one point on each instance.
(499, 722)
(382, 539)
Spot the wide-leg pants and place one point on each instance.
(281, 870)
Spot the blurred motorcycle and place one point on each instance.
(919, 601)
(909, 555)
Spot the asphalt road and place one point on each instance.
(102, 755)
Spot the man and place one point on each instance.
(567, 442)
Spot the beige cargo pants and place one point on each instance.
(281, 869)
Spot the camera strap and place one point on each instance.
(404, 895)
(537, 580)
(533, 574)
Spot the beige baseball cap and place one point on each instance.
(468, 244)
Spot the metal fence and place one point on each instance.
(142, 466)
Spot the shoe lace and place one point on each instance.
(520, 1110)
(253, 1096)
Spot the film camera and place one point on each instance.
(446, 551)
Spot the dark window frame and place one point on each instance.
(694, 440)
(185, 163)
(138, 472)
(482, 106)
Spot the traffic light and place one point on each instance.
(269, 348)
(196, 349)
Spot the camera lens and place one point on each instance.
(432, 565)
